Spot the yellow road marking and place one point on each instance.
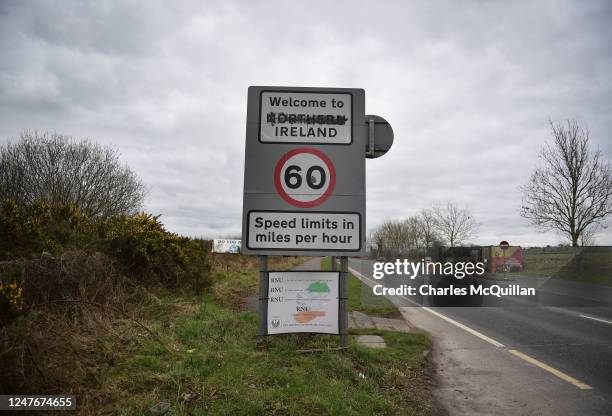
(551, 370)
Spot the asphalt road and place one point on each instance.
(566, 329)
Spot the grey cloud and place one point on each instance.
(468, 87)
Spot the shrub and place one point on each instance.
(145, 249)
(31, 229)
(61, 170)
(139, 244)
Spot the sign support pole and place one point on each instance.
(343, 302)
(334, 265)
(263, 298)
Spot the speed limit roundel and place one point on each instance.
(304, 177)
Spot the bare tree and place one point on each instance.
(396, 238)
(572, 190)
(390, 238)
(427, 221)
(405, 237)
(413, 232)
(454, 224)
(60, 170)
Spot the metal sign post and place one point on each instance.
(343, 300)
(263, 298)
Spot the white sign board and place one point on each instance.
(226, 246)
(305, 117)
(304, 230)
(303, 302)
(304, 171)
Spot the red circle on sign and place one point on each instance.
(304, 204)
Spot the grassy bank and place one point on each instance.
(197, 355)
(361, 297)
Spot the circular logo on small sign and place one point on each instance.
(304, 177)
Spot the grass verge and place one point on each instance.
(361, 297)
(214, 367)
(198, 355)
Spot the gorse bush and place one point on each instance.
(145, 249)
(27, 230)
(77, 285)
(139, 246)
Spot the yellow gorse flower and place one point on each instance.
(12, 294)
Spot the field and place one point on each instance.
(581, 264)
(546, 262)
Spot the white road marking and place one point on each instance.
(465, 328)
(596, 319)
(573, 313)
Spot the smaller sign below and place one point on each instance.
(226, 246)
(303, 302)
(317, 231)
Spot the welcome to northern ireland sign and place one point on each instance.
(290, 117)
(304, 181)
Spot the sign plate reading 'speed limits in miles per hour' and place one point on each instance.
(304, 182)
(304, 230)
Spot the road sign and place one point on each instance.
(380, 136)
(308, 231)
(304, 182)
(504, 245)
(309, 173)
(223, 245)
(303, 302)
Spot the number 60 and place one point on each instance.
(293, 179)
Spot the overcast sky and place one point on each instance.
(468, 88)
